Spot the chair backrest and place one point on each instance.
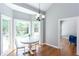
(18, 44)
(72, 39)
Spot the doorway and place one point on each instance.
(68, 35)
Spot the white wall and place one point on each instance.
(78, 36)
(6, 10)
(69, 28)
(55, 12)
(0, 35)
(22, 16)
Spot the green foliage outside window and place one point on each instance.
(22, 28)
(5, 26)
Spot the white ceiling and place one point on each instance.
(43, 6)
(35, 6)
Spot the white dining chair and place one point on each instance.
(19, 45)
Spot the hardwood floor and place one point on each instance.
(45, 50)
(67, 48)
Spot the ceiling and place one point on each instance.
(35, 6)
(43, 6)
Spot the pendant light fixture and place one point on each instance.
(39, 17)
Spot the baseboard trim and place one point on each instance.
(52, 45)
(41, 44)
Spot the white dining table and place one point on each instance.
(30, 42)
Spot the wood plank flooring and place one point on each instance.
(67, 48)
(45, 50)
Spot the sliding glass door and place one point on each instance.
(5, 33)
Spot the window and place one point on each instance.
(22, 28)
(36, 26)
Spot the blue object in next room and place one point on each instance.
(72, 39)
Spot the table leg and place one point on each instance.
(30, 50)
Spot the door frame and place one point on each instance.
(10, 33)
(60, 25)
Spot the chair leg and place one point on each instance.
(24, 49)
(35, 46)
(17, 52)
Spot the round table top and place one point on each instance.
(29, 42)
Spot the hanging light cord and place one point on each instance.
(38, 12)
(39, 8)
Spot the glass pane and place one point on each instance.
(36, 26)
(5, 33)
(22, 31)
(22, 28)
(36, 30)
